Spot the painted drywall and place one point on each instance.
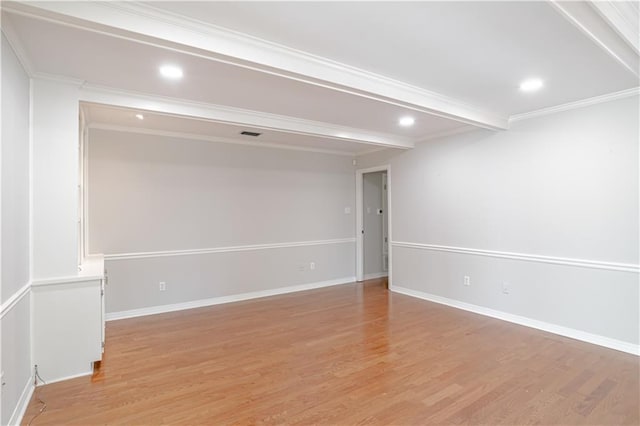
(378, 158)
(16, 361)
(15, 173)
(372, 222)
(151, 194)
(15, 322)
(562, 185)
(55, 179)
(133, 283)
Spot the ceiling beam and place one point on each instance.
(144, 23)
(610, 33)
(624, 17)
(230, 115)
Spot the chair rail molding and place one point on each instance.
(566, 261)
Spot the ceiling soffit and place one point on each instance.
(148, 25)
(152, 26)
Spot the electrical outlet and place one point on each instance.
(467, 280)
(312, 265)
(162, 286)
(506, 287)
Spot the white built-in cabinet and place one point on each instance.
(68, 322)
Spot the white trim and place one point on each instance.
(591, 23)
(144, 255)
(31, 221)
(10, 34)
(62, 379)
(14, 299)
(238, 116)
(528, 322)
(21, 407)
(56, 78)
(137, 22)
(371, 151)
(622, 17)
(74, 279)
(84, 218)
(360, 217)
(112, 316)
(445, 133)
(565, 261)
(634, 91)
(218, 139)
(376, 275)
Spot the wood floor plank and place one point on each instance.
(352, 354)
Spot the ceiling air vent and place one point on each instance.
(254, 134)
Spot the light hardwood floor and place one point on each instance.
(351, 354)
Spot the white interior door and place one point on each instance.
(360, 211)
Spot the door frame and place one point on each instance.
(360, 219)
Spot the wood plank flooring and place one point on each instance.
(346, 355)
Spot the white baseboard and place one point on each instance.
(62, 379)
(376, 275)
(528, 322)
(21, 408)
(112, 316)
(23, 403)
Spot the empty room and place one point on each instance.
(339, 213)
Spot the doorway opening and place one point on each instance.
(373, 223)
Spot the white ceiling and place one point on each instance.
(124, 119)
(331, 68)
(113, 62)
(477, 52)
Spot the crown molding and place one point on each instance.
(9, 32)
(623, 17)
(635, 91)
(216, 139)
(370, 151)
(230, 115)
(602, 31)
(147, 24)
(58, 78)
(445, 133)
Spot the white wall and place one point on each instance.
(15, 315)
(55, 179)
(562, 185)
(372, 221)
(15, 173)
(151, 194)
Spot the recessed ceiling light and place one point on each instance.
(531, 85)
(171, 72)
(407, 121)
(140, 116)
